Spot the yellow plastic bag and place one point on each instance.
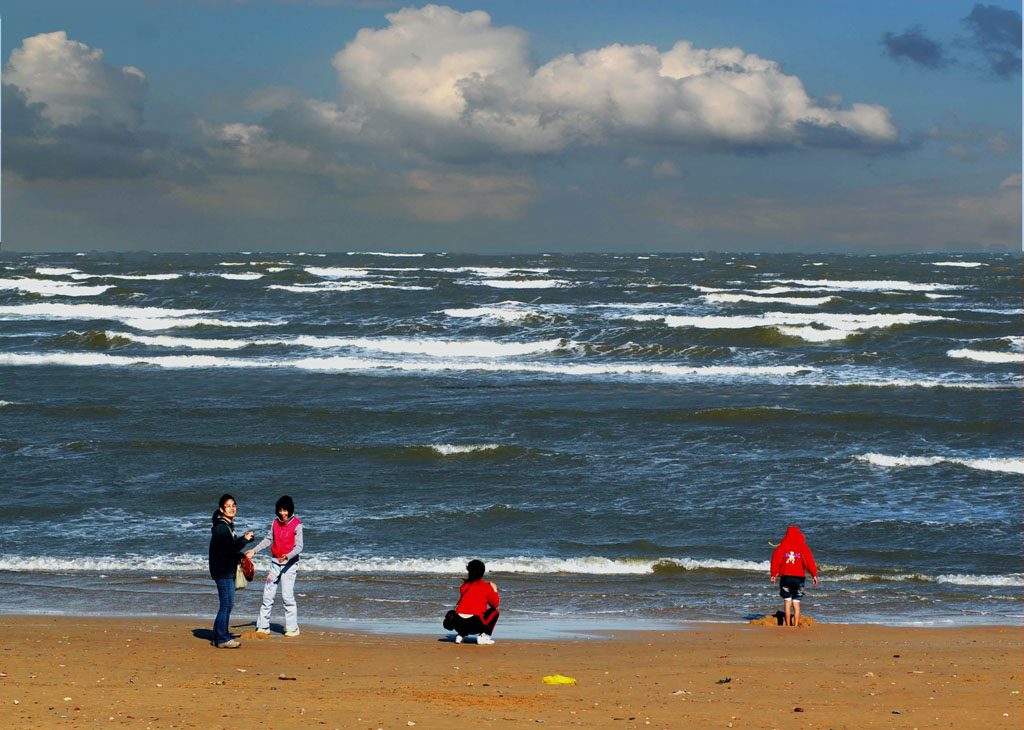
(558, 679)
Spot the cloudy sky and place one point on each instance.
(519, 125)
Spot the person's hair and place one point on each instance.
(285, 503)
(220, 503)
(475, 569)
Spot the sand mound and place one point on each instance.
(255, 635)
(779, 617)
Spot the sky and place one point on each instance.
(515, 126)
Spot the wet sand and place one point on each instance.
(163, 673)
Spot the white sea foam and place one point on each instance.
(1010, 466)
(961, 264)
(795, 301)
(498, 313)
(385, 253)
(832, 323)
(876, 285)
(1010, 580)
(54, 271)
(491, 272)
(144, 318)
(694, 259)
(336, 272)
(352, 364)
(49, 288)
(332, 563)
(132, 277)
(346, 286)
(521, 283)
(232, 263)
(248, 276)
(456, 348)
(452, 449)
(987, 356)
(191, 343)
(1015, 580)
(929, 295)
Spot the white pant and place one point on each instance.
(285, 575)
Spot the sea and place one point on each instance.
(622, 438)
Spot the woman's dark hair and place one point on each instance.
(220, 503)
(476, 569)
(285, 503)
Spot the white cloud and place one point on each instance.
(666, 168)
(74, 84)
(439, 79)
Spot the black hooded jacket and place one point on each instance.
(225, 549)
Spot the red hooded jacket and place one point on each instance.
(792, 556)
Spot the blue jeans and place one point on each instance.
(226, 593)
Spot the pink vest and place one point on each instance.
(284, 537)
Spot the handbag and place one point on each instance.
(449, 620)
(248, 569)
(240, 579)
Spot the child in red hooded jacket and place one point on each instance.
(789, 561)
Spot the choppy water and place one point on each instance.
(618, 436)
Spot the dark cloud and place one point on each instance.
(913, 45)
(996, 33)
(35, 148)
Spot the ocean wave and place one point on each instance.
(394, 345)
(247, 276)
(814, 334)
(1010, 580)
(338, 286)
(385, 253)
(330, 563)
(48, 288)
(498, 313)
(351, 364)
(961, 264)
(521, 283)
(453, 449)
(54, 271)
(490, 272)
(130, 277)
(98, 311)
(832, 324)
(1010, 466)
(336, 272)
(877, 285)
(794, 301)
(987, 356)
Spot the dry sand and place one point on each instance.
(163, 673)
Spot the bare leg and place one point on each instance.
(789, 606)
(796, 613)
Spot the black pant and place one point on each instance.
(476, 625)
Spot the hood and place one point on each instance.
(793, 535)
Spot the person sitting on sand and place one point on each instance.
(285, 541)
(477, 609)
(789, 562)
(225, 552)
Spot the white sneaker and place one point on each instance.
(293, 632)
(263, 631)
(458, 639)
(484, 639)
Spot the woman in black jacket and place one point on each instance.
(225, 552)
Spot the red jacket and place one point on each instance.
(792, 556)
(476, 597)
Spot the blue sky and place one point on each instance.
(511, 126)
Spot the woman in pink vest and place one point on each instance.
(285, 542)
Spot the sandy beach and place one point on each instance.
(163, 673)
